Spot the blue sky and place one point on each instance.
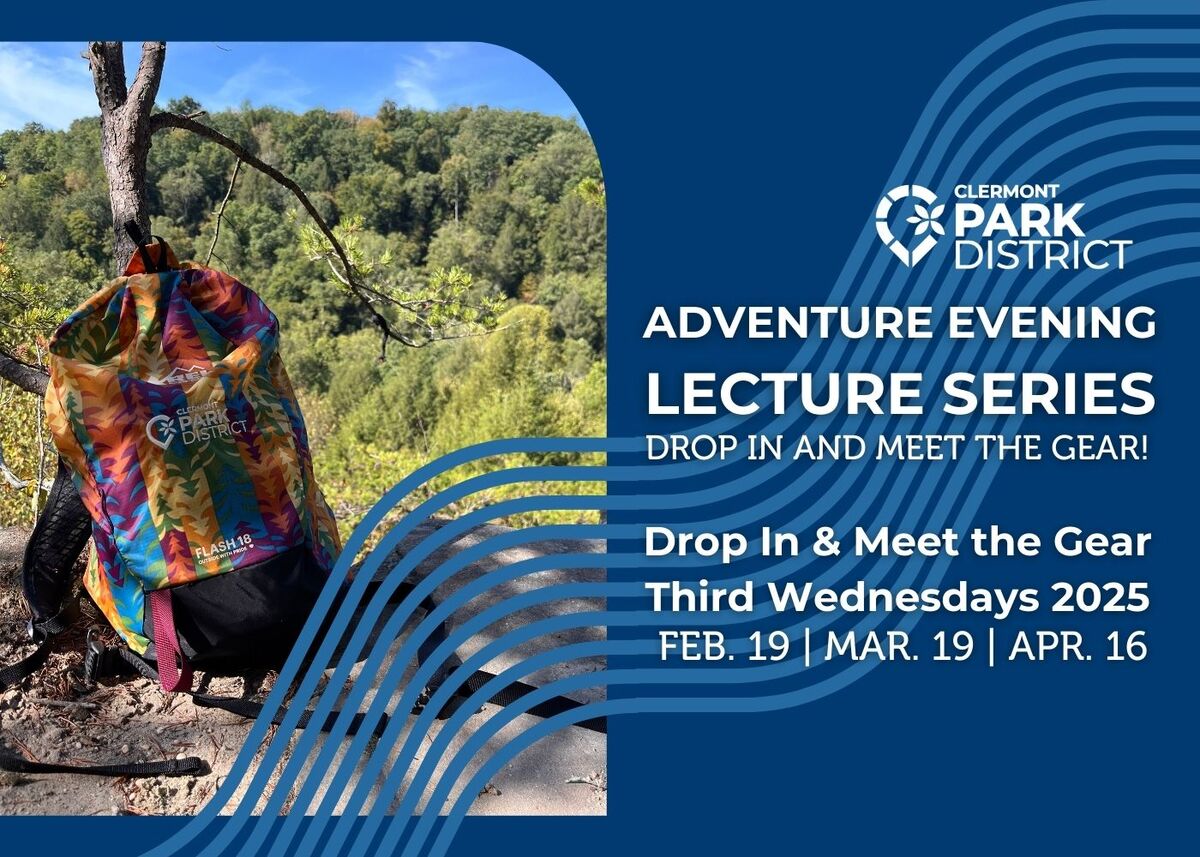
(50, 83)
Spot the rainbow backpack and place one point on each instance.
(184, 459)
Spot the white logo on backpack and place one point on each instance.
(161, 431)
(193, 423)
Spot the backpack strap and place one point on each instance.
(108, 661)
(61, 532)
(174, 671)
(113, 661)
(167, 768)
(149, 264)
(14, 674)
(102, 661)
(59, 536)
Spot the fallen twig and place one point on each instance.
(594, 779)
(63, 703)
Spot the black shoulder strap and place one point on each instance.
(10, 675)
(61, 532)
(111, 661)
(59, 536)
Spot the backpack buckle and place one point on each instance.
(93, 656)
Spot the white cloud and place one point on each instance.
(261, 82)
(446, 50)
(420, 74)
(38, 87)
(416, 95)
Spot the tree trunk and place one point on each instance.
(125, 134)
(126, 130)
(125, 146)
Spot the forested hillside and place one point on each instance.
(512, 199)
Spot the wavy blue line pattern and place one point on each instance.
(1088, 110)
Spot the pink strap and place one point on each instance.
(174, 671)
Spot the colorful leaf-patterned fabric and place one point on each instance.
(169, 401)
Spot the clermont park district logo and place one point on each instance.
(925, 219)
(192, 424)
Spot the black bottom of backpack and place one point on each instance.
(248, 617)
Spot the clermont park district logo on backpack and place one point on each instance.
(193, 424)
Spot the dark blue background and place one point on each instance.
(743, 151)
(760, 161)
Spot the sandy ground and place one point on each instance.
(53, 717)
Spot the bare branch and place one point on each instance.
(160, 121)
(221, 212)
(29, 378)
(41, 446)
(15, 481)
(108, 73)
(471, 334)
(149, 74)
